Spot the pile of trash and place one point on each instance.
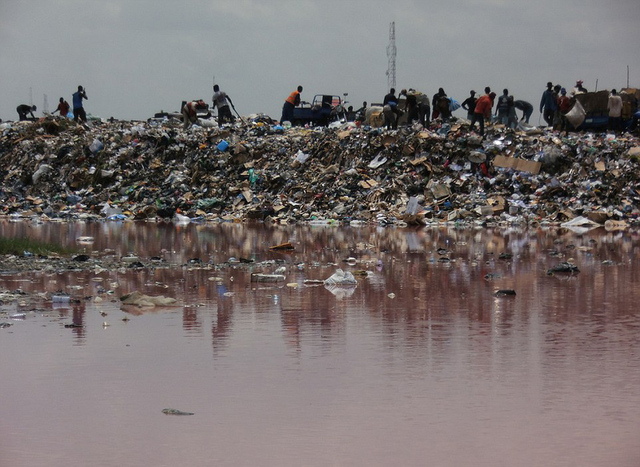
(256, 170)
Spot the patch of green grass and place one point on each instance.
(18, 246)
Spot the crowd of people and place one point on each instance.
(25, 111)
(419, 108)
(555, 104)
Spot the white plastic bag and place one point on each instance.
(576, 115)
(342, 278)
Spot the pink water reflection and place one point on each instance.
(442, 372)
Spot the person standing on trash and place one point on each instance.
(435, 103)
(483, 109)
(391, 111)
(557, 115)
(411, 106)
(578, 89)
(469, 104)
(512, 120)
(221, 101)
(564, 105)
(189, 112)
(548, 104)
(445, 107)
(424, 109)
(24, 110)
(63, 108)
(614, 106)
(505, 102)
(78, 109)
(292, 101)
(525, 107)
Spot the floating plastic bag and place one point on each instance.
(342, 278)
(580, 225)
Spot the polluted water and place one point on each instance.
(228, 343)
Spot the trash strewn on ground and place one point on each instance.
(57, 169)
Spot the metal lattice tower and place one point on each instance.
(391, 55)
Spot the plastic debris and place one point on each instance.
(341, 278)
(258, 277)
(140, 300)
(175, 412)
(283, 246)
(564, 267)
(505, 293)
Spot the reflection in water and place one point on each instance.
(422, 352)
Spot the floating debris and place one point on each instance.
(283, 246)
(564, 267)
(258, 277)
(341, 278)
(175, 412)
(505, 293)
(141, 300)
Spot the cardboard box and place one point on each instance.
(514, 163)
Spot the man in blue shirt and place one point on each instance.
(548, 105)
(78, 110)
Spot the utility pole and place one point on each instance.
(627, 76)
(391, 56)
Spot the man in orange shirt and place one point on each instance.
(483, 109)
(292, 101)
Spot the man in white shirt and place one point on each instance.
(615, 111)
(220, 99)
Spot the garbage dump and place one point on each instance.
(255, 170)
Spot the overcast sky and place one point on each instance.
(137, 57)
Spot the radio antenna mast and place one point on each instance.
(391, 56)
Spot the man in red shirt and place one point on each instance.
(564, 105)
(63, 108)
(483, 109)
(189, 112)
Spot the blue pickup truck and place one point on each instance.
(324, 109)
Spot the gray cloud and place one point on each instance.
(138, 57)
